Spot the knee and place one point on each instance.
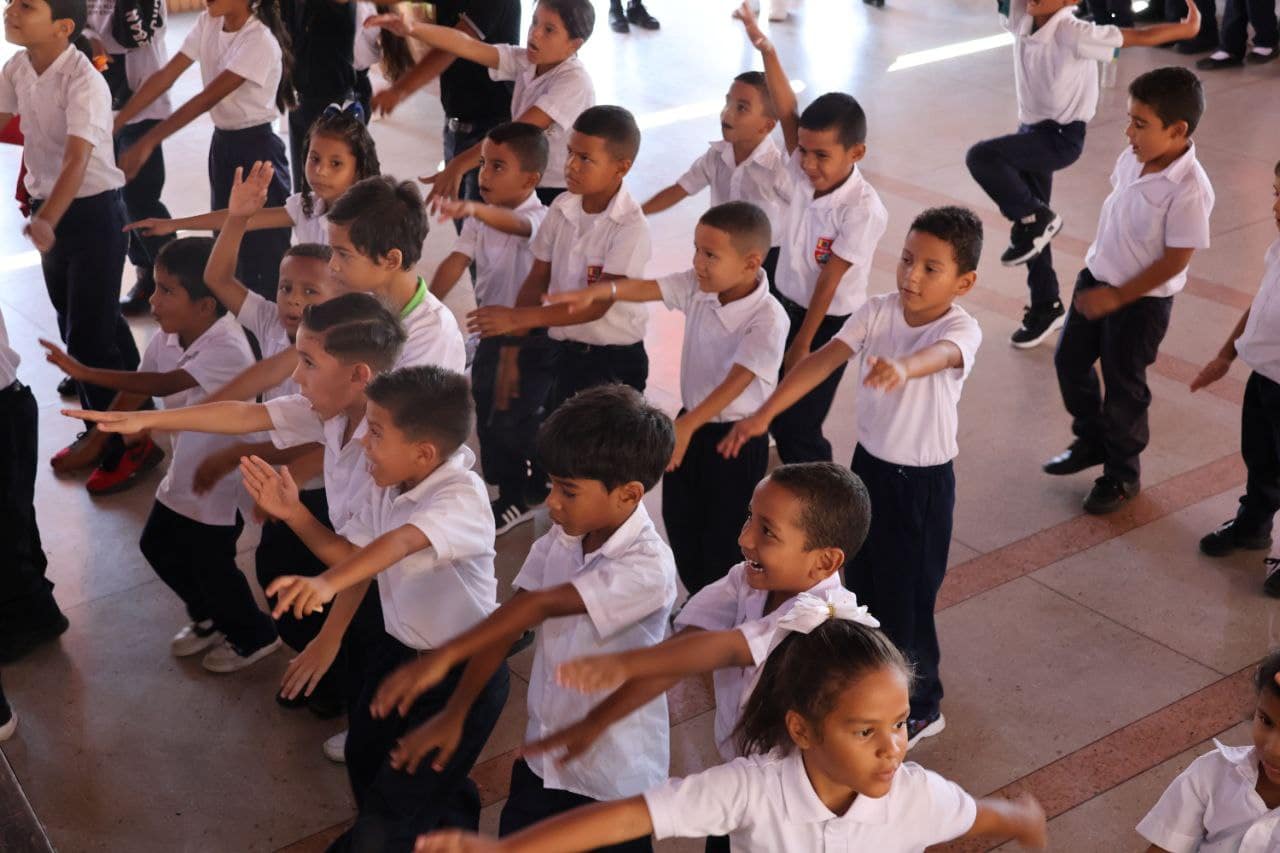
(977, 157)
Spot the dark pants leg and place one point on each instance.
(546, 195)
(1237, 15)
(900, 567)
(530, 801)
(770, 266)
(798, 430)
(1260, 447)
(507, 437)
(142, 197)
(261, 251)
(577, 367)
(705, 502)
(364, 93)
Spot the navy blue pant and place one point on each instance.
(1017, 172)
(530, 802)
(1125, 343)
(456, 142)
(546, 195)
(577, 367)
(1260, 447)
(142, 197)
(900, 567)
(798, 430)
(1238, 15)
(507, 438)
(261, 251)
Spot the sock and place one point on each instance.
(1263, 51)
(1219, 55)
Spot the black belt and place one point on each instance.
(457, 125)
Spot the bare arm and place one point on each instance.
(586, 828)
(220, 270)
(1100, 301)
(153, 87)
(1187, 28)
(149, 384)
(691, 652)
(823, 292)
(257, 378)
(663, 199)
(223, 418)
(1221, 363)
(75, 160)
(1021, 819)
(617, 290)
(887, 374)
(453, 41)
(221, 86)
(448, 273)
(780, 92)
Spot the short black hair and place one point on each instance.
(185, 259)
(1265, 677)
(839, 112)
(357, 329)
(615, 125)
(312, 251)
(747, 225)
(527, 141)
(579, 16)
(836, 505)
(383, 214)
(757, 80)
(76, 10)
(1173, 93)
(607, 433)
(1278, 168)
(426, 403)
(958, 226)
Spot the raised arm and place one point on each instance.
(784, 99)
(248, 197)
(1187, 28)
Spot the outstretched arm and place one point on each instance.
(257, 378)
(1164, 33)
(223, 418)
(691, 652)
(585, 828)
(886, 373)
(150, 384)
(1021, 819)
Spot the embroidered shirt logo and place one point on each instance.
(594, 273)
(822, 251)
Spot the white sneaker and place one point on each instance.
(335, 748)
(507, 516)
(7, 730)
(224, 657)
(194, 638)
(934, 727)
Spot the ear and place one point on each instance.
(754, 259)
(623, 167)
(858, 151)
(531, 180)
(826, 562)
(770, 124)
(577, 44)
(361, 374)
(392, 261)
(966, 282)
(632, 492)
(798, 727)
(1181, 130)
(65, 27)
(427, 454)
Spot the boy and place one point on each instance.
(918, 347)
(1055, 73)
(496, 238)
(734, 333)
(602, 580)
(1155, 218)
(831, 225)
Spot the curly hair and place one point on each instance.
(346, 127)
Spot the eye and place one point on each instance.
(866, 733)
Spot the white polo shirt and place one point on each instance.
(9, 358)
(628, 585)
(308, 229)
(916, 423)
(581, 247)
(757, 179)
(346, 469)
(139, 62)
(731, 603)
(766, 804)
(431, 332)
(212, 360)
(1147, 213)
(367, 49)
(251, 52)
(562, 93)
(262, 317)
(432, 595)
(502, 260)
(1213, 807)
(1055, 68)
(751, 332)
(847, 222)
(1259, 344)
(70, 98)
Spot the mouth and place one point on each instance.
(886, 775)
(1272, 770)
(754, 567)
(291, 319)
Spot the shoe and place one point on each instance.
(1271, 586)
(918, 730)
(194, 638)
(138, 301)
(68, 388)
(1109, 494)
(879, 4)
(618, 19)
(224, 658)
(84, 452)
(1255, 57)
(116, 473)
(507, 515)
(9, 726)
(1038, 323)
(335, 748)
(525, 641)
(17, 646)
(637, 14)
(1219, 59)
(1028, 239)
(1076, 458)
(1226, 539)
(299, 701)
(1199, 44)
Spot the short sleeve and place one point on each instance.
(713, 802)
(293, 207)
(861, 227)
(963, 331)
(698, 178)
(259, 316)
(191, 44)
(566, 97)
(293, 421)
(761, 346)
(511, 61)
(8, 93)
(853, 333)
(628, 249)
(1091, 41)
(715, 606)
(215, 365)
(1186, 225)
(948, 811)
(88, 107)
(1176, 821)
(455, 522)
(254, 56)
(620, 592)
(678, 290)
(544, 239)
(359, 529)
(150, 362)
(534, 571)
(468, 240)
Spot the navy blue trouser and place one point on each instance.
(530, 802)
(1238, 15)
(507, 437)
(577, 367)
(1260, 447)
(798, 430)
(142, 196)
(258, 266)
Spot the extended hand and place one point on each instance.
(493, 321)
(390, 21)
(58, 357)
(1212, 372)
(122, 422)
(446, 183)
(455, 841)
(248, 196)
(306, 670)
(277, 494)
(401, 688)
(439, 735)
(567, 744)
(301, 594)
(885, 374)
(152, 227)
(742, 432)
(577, 300)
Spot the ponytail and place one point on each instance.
(396, 56)
(268, 11)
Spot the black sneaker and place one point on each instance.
(618, 18)
(68, 387)
(1038, 323)
(1226, 539)
(1078, 457)
(918, 730)
(1271, 586)
(637, 14)
(1109, 494)
(1219, 60)
(1253, 57)
(508, 514)
(1028, 239)
(138, 301)
(1199, 44)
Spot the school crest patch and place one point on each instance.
(594, 273)
(822, 251)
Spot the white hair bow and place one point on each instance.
(810, 611)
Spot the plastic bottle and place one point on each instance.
(1107, 70)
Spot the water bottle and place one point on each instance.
(1107, 69)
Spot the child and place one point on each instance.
(831, 225)
(1227, 798)
(246, 67)
(602, 580)
(734, 334)
(496, 238)
(1055, 67)
(917, 348)
(812, 780)
(1155, 218)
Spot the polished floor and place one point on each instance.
(1085, 659)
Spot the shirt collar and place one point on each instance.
(1175, 172)
(60, 65)
(460, 461)
(417, 299)
(765, 154)
(803, 805)
(840, 196)
(219, 326)
(733, 315)
(620, 208)
(1046, 31)
(1245, 759)
(618, 543)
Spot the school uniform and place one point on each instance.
(82, 271)
(1213, 807)
(705, 500)
(323, 34)
(310, 227)
(1143, 215)
(1238, 16)
(431, 333)
(366, 52)
(847, 222)
(628, 586)
(906, 441)
(243, 133)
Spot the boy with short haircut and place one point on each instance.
(917, 348)
(832, 223)
(1055, 57)
(1155, 218)
(604, 579)
(734, 334)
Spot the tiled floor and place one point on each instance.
(1087, 660)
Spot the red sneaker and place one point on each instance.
(84, 452)
(120, 471)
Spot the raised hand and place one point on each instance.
(248, 196)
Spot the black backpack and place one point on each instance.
(136, 21)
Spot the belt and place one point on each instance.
(585, 348)
(14, 387)
(457, 125)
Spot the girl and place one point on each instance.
(1228, 799)
(377, 47)
(825, 735)
(246, 66)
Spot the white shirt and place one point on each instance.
(251, 52)
(212, 360)
(757, 179)
(914, 424)
(562, 93)
(1213, 807)
(139, 62)
(731, 603)
(432, 595)
(432, 335)
(628, 586)
(367, 49)
(263, 319)
(70, 98)
(346, 469)
(581, 247)
(766, 804)
(847, 222)
(751, 332)
(1259, 344)
(308, 229)
(502, 260)
(1146, 213)
(1055, 68)
(9, 358)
